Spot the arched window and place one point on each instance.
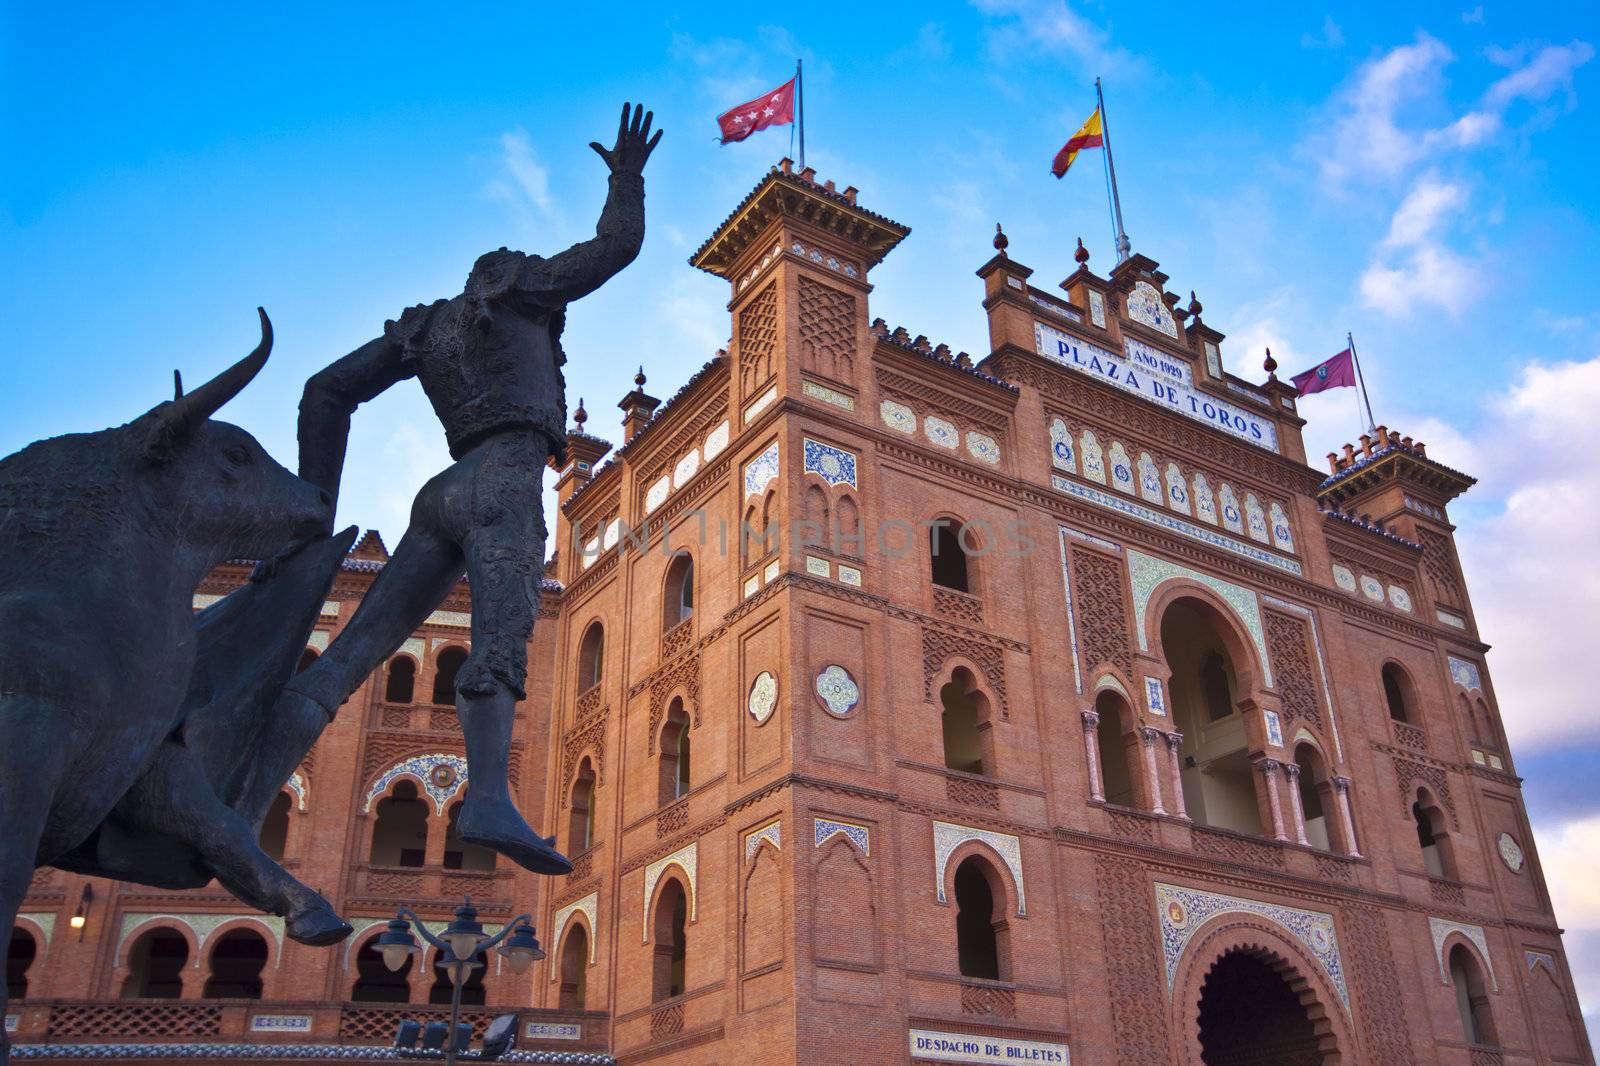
(401, 684)
(669, 962)
(574, 969)
(591, 656)
(236, 964)
(1215, 772)
(19, 956)
(1397, 691)
(948, 545)
(1118, 748)
(1472, 998)
(814, 527)
(400, 835)
(1437, 855)
(155, 965)
(472, 990)
(307, 657)
(1315, 796)
(677, 601)
(674, 754)
(580, 830)
(274, 837)
(375, 982)
(445, 669)
(968, 744)
(461, 855)
(847, 527)
(981, 928)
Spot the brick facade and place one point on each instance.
(1139, 773)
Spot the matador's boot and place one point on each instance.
(488, 817)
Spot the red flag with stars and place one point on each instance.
(774, 108)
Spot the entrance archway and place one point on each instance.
(1249, 1014)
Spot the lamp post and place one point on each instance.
(463, 941)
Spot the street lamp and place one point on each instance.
(460, 947)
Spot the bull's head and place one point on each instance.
(215, 478)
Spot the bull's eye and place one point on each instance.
(237, 456)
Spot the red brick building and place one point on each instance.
(1067, 711)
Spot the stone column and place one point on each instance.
(1150, 735)
(1268, 769)
(1291, 771)
(1091, 751)
(1341, 786)
(1175, 772)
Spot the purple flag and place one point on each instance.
(1335, 373)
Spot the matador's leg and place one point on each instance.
(411, 585)
(505, 557)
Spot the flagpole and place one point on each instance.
(1124, 248)
(800, 91)
(1372, 423)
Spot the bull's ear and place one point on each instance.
(186, 413)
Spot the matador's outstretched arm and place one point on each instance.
(584, 267)
(331, 396)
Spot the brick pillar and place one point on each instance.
(1175, 773)
(1268, 769)
(1091, 746)
(1291, 772)
(1150, 736)
(1341, 785)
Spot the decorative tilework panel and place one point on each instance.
(1465, 674)
(1344, 577)
(1110, 681)
(1510, 852)
(1183, 911)
(1213, 359)
(1228, 503)
(1072, 623)
(772, 831)
(1145, 305)
(1274, 729)
(1094, 462)
(1090, 538)
(1441, 928)
(686, 859)
(453, 619)
(1541, 958)
(716, 441)
(826, 828)
(318, 638)
(827, 395)
(1150, 479)
(1449, 618)
(202, 925)
(948, 836)
(1282, 535)
(762, 403)
(590, 906)
(440, 774)
(834, 465)
(1400, 597)
(1372, 588)
(1121, 468)
(297, 785)
(1154, 697)
(1063, 456)
(1097, 308)
(898, 416)
(763, 697)
(837, 690)
(415, 647)
(45, 920)
(983, 448)
(941, 432)
(1205, 504)
(772, 570)
(686, 468)
(1146, 572)
(1174, 524)
(612, 535)
(759, 472)
(818, 566)
(849, 575)
(1255, 518)
(1177, 489)
(657, 493)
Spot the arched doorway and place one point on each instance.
(965, 725)
(670, 959)
(1117, 746)
(1250, 1015)
(155, 965)
(400, 837)
(574, 969)
(19, 956)
(236, 965)
(1217, 777)
(375, 982)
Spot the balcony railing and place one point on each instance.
(433, 883)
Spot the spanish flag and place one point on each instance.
(1088, 136)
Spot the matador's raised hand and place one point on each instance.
(634, 143)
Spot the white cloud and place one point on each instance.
(1367, 137)
(1570, 855)
(1331, 36)
(1547, 72)
(1054, 27)
(530, 175)
(1412, 266)
(1473, 17)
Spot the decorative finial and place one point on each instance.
(1001, 241)
(1194, 306)
(580, 416)
(638, 379)
(1082, 254)
(1270, 365)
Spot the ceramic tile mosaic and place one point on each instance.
(834, 465)
(1282, 535)
(202, 600)
(941, 432)
(1182, 912)
(983, 447)
(1372, 588)
(1465, 674)
(1450, 619)
(590, 552)
(1541, 958)
(1110, 681)
(1177, 489)
(763, 698)
(759, 472)
(1510, 852)
(454, 619)
(1344, 577)
(1181, 526)
(330, 609)
(1145, 305)
(772, 570)
(818, 566)
(297, 785)
(45, 920)
(827, 395)
(772, 831)
(849, 575)
(762, 403)
(612, 535)
(1228, 504)
(1274, 728)
(1441, 928)
(1094, 463)
(440, 774)
(415, 647)
(948, 836)
(202, 925)
(657, 494)
(898, 416)
(1400, 597)
(1072, 623)
(1063, 456)
(752, 585)
(687, 467)
(837, 690)
(590, 906)
(1255, 518)
(318, 638)
(1145, 572)
(1090, 538)
(1150, 479)
(826, 828)
(716, 441)
(1097, 308)
(1213, 359)
(1155, 698)
(687, 859)
(1205, 504)
(1121, 468)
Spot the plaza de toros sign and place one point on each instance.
(1153, 375)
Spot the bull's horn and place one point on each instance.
(187, 412)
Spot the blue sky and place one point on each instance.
(1421, 176)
